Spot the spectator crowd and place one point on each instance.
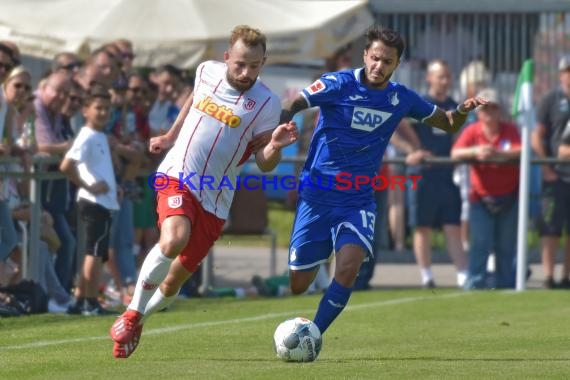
(476, 206)
(44, 121)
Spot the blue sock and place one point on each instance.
(333, 302)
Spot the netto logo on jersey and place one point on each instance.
(221, 113)
(367, 119)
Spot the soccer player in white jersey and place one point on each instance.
(229, 115)
(360, 110)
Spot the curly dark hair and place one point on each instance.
(388, 37)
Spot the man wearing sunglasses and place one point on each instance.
(126, 56)
(67, 62)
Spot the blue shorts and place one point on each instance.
(320, 230)
(434, 204)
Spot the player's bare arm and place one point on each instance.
(299, 103)
(452, 121)
(259, 142)
(164, 142)
(282, 136)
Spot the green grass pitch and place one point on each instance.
(396, 334)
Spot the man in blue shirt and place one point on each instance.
(336, 211)
(437, 201)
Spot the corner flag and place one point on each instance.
(523, 109)
(523, 113)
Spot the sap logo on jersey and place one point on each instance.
(367, 119)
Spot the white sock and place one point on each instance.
(157, 303)
(461, 278)
(153, 271)
(427, 275)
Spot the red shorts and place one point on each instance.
(206, 228)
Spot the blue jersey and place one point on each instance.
(352, 133)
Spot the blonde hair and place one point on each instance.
(250, 37)
(475, 73)
(20, 69)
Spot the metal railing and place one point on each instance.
(38, 174)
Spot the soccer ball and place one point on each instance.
(297, 340)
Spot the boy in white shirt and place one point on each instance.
(88, 164)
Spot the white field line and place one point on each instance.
(176, 328)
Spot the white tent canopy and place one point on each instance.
(182, 32)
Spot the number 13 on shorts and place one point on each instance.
(368, 220)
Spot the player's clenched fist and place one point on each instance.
(160, 144)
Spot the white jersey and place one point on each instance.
(91, 151)
(215, 134)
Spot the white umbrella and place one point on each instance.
(182, 32)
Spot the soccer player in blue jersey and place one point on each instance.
(336, 212)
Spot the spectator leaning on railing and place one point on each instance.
(8, 234)
(19, 142)
(49, 128)
(493, 194)
(473, 78)
(550, 138)
(17, 92)
(437, 202)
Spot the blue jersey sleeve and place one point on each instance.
(420, 108)
(325, 90)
